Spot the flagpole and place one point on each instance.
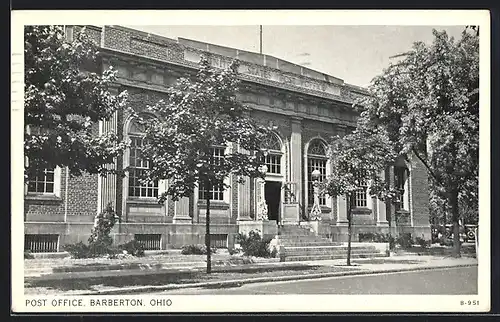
(260, 43)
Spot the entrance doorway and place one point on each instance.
(272, 192)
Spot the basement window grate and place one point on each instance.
(149, 241)
(41, 243)
(218, 240)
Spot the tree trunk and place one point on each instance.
(349, 230)
(455, 220)
(207, 228)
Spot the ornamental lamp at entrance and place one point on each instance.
(315, 213)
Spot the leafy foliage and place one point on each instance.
(133, 248)
(404, 240)
(358, 157)
(65, 95)
(422, 242)
(103, 224)
(253, 245)
(200, 113)
(428, 104)
(196, 249)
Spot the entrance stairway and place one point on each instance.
(301, 244)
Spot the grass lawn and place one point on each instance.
(74, 286)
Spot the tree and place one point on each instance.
(65, 95)
(428, 102)
(360, 158)
(190, 138)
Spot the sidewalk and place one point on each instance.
(191, 274)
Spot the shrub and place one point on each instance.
(254, 245)
(405, 241)
(103, 223)
(78, 250)
(234, 251)
(375, 237)
(198, 249)
(97, 249)
(28, 254)
(133, 248)
(422, 242)
(446, 242)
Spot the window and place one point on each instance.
(137, 166)
(272, 160)
(216, 192)
(316, 159)
(360, 200)
(400, 179)
(46, 180)
(43, 182)
(273, 163)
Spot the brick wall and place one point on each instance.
(81, 200)
(82, 195)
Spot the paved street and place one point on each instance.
(449, 281)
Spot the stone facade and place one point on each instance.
(306, 106)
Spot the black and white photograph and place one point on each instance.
(255, 158)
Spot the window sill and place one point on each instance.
(214, 204)
(272, 174)
(402, 212)
(50, 198)
(324, 209)
(142, 201)
(362, 211)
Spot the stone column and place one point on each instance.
(108, 183)
(244, 200)
(181, 213)
(296, 156)
(341, 211)
(244, 208)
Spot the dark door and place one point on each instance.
(273, 194)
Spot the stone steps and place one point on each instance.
(301, 244)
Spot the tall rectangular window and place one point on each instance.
(312, 164)
(360, 200)
(273, 163)
(215, 192)
(137, 167)
(43, 182)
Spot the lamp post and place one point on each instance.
(261, 204)
(315, 213)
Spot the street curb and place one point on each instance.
(237, 283)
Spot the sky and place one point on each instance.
(355, 54)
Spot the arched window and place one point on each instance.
(272, 145)
(138, 164)
(316, 159)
